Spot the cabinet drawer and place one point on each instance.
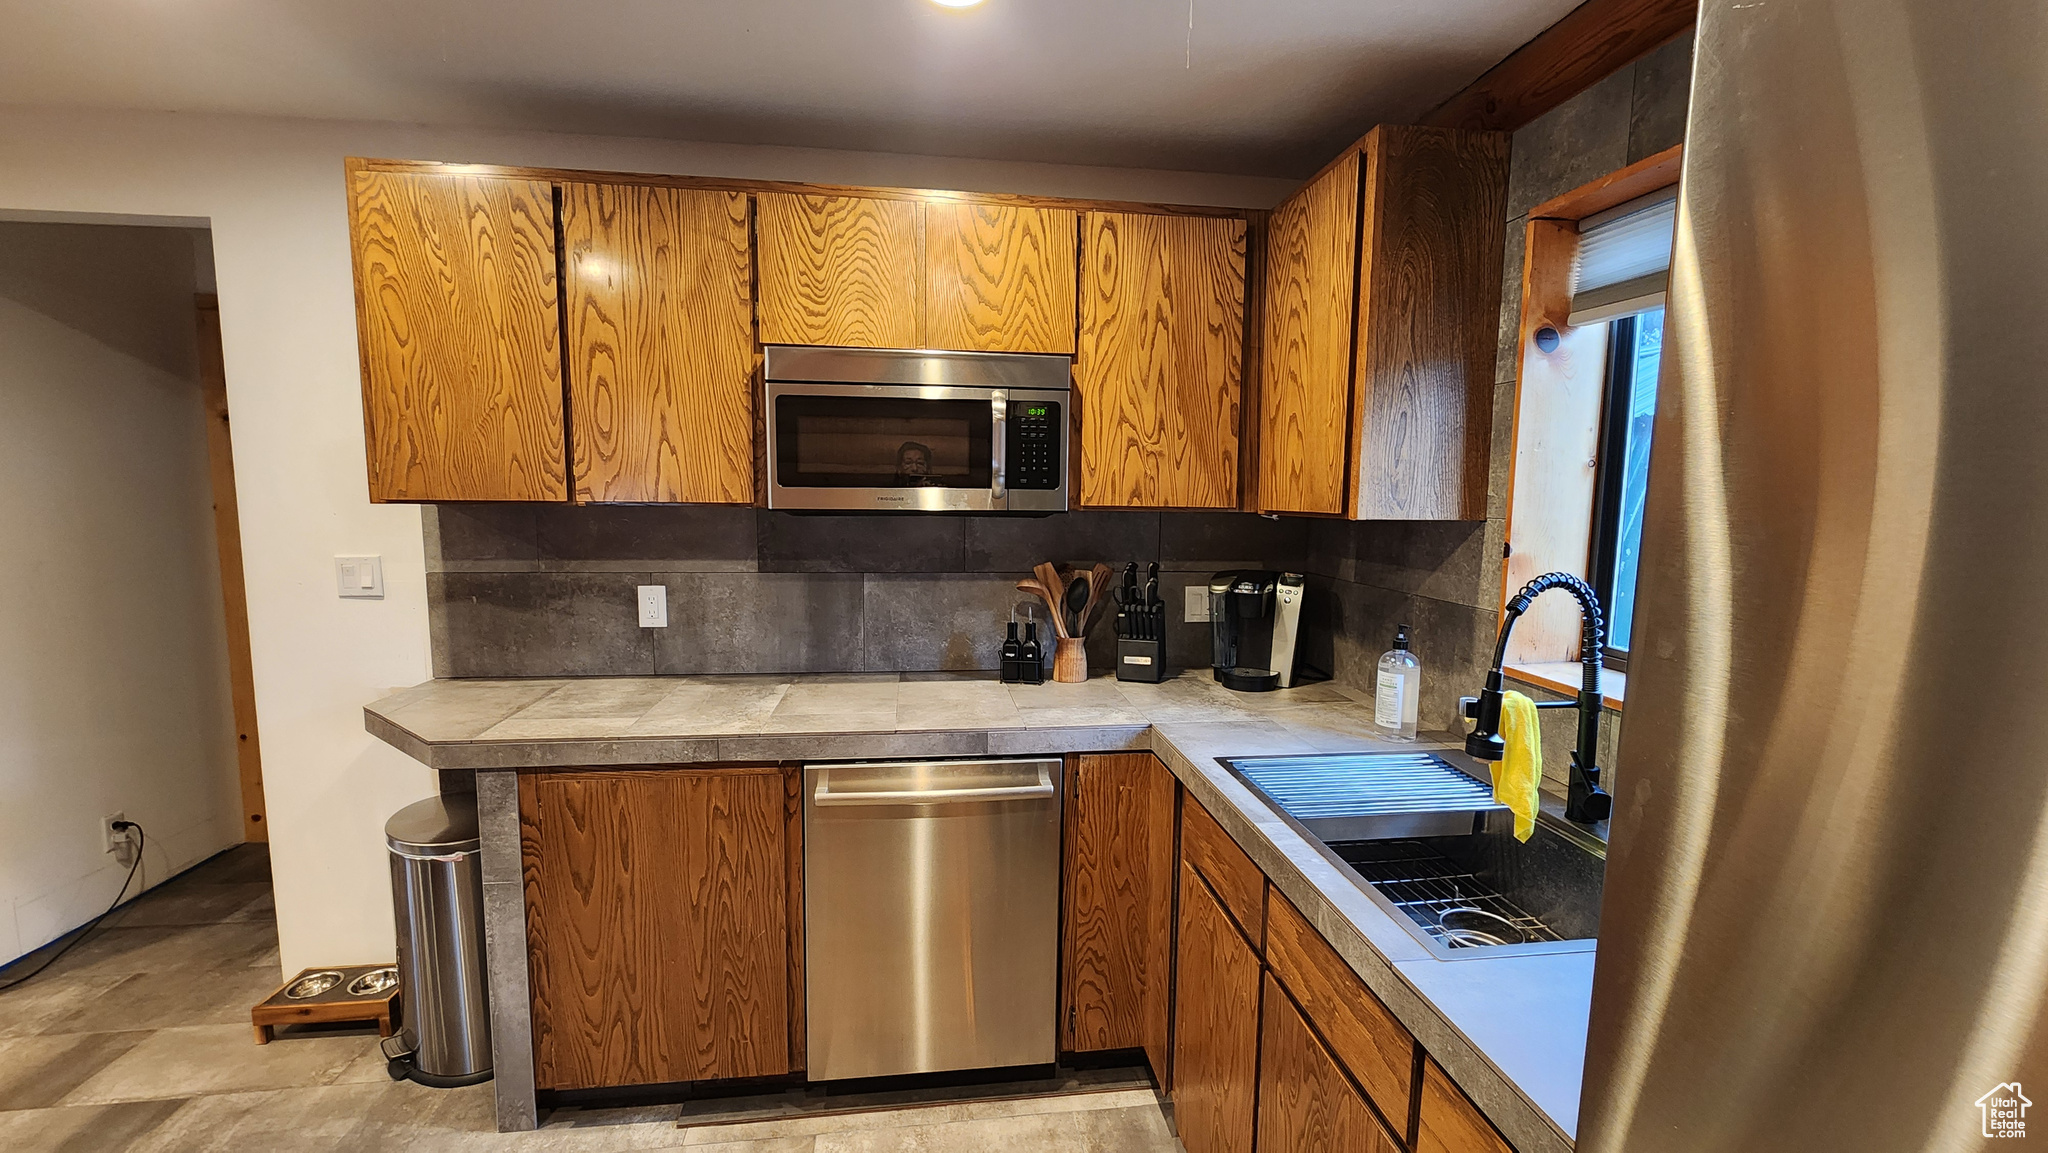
(1450, 1122)
(1205, 845)
(1377, 1050)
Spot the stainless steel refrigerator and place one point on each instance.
(1826, 918)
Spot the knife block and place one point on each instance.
(1070, 660)
(1140, 660)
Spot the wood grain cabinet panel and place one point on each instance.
(661, 343)
(999, 278)
(1306, 1103)
(1310, 307)
(1216, 1026)
(658, 925)
(1399, 245)
(1120, 877)
(1449, 1122)
(1237, 881)
(1370, 1043)
(459, 335)
(841, 270)
(1159, 365)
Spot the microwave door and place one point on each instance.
(882, 447)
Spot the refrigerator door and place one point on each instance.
(1826, 915)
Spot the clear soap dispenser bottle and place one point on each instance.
(1399, 690)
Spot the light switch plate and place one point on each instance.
(1197, 604)
(359, 577)
(653, 606)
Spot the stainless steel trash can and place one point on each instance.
(437, 896)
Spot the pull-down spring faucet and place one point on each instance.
(1586, 802)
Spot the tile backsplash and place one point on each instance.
(548, 590)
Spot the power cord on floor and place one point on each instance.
(141, 839)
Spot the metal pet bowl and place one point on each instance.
(1469, 926)
(373, 982)
(313, 984)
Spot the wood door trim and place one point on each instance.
(1645, 176)
(730, 184)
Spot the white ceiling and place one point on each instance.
(1269, 87)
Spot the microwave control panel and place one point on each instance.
(1032, 456)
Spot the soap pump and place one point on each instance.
(1398, 693)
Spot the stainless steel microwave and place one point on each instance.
(892, 430)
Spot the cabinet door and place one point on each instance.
(999, 278)
(1376, 1048)
(1216, 1026)
(1428, 324)
(841, 270)
(1449, 1122)
(658, 925)
(1159, 365)
(459, 334)
(1118, 936)
(661, 343)
(1306, 1104)
(1305, 377)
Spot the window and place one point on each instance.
(1624, 476)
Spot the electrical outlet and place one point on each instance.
(1197, 605)
(120, 842)
(653, 606)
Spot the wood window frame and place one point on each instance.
(1560, 391)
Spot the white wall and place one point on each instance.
(272, 192)
(113, 654)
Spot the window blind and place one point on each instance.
(1623, 264)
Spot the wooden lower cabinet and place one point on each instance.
(1117, 944)
(1215, 1025)
(1450, 1123)
(661, 920)
(1306, 1103)
(1373, 1047)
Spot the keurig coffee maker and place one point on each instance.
(1253, 618)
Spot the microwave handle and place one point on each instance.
(999, 485)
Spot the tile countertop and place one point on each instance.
(1510, 1030)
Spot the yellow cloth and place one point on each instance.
(1516, 776)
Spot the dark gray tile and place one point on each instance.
(826, 543)
(1579, 141)
(1443, 559)
(1507, 353)
(939, 621)
(1348, 626)
(1662, 90)
(545, 625)
(1501, 457)
(1224, 540)
(682, 538)
(761, 623)
(1016, 544)
(480, 532)
(511, 1018)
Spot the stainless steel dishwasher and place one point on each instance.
(931, 915)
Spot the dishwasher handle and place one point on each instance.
(824, 795)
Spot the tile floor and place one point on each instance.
(140, 1039)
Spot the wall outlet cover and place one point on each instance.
(1197, 604)
(359, 577)
(115, 842)
(653, 601)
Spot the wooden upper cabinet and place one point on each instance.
(1158, 369)
(1416, 373)
(841, 270)
(999, 278)
(1117, 941)
(1306, 1103)
(660, 924)
(661, 343)
(459, 333)
(1305, 381)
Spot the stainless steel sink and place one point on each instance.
(1421, 835)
